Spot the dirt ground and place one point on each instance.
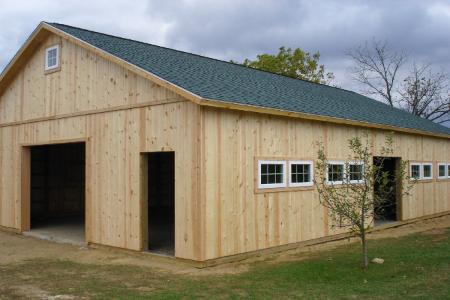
(17, 248)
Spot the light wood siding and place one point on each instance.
(240, 220)
(119, 115)
(86, 83)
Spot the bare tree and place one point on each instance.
(422, 92)
(426, 94)
(376, 67)
(352, 202)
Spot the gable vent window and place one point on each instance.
(52, 58)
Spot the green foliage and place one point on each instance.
(292, 63)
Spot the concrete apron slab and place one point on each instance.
(65, 234)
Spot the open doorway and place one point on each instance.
(161, 202)
(389, 211)
(57, 192)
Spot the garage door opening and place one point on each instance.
(388, 211)
(57, 192)
(161, 202)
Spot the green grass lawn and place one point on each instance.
(416, 266)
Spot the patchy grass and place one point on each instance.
(416, 266)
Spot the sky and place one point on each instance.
(237, 29)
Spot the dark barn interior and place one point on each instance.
(58, 191)
(387, 211)
(161, 202)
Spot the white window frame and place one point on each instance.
(448, 171)
(272, 185)
(47, 67)
(423, 173)
(336, 162)
(347, 176)
(445, 170)
(311, 173)
(411, 172)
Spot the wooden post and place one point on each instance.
(88, 191)
(26, 188)
(399, 191)
(144, 201)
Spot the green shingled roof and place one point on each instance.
(219, 80)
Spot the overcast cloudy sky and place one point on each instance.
(237, 29)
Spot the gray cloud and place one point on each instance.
(236, 30)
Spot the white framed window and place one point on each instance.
(355, 172)
(448, 170)
(427, 171)
(335, 172)
(52, 58)
(442, 171)
(300, 173)
(415, 171)
(271, 174)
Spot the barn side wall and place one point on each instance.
(240, 219)
(119, 115)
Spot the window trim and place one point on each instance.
(347, 176)
(272, 185)
(336, 162)
(445, 165)
(423, 169)
(311, 174)
(47, 50)
(411, 172)
(448, 171)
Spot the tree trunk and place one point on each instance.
(363, 240)
(364, 249)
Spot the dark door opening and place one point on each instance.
(389, 210)
(57, 192)
(161, 202)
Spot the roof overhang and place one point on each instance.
(43, 30)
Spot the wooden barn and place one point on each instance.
(131, 145)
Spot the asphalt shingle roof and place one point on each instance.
(219, 80)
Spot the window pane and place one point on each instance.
(264, 168)
(448, 170)
(306, 169)
(272, 168)
(426, 171)
(271, 178)
(300, 173)
(279, 178)
(335, 172)
(355, 172)
(271, 173)
(264, 179)
(305, 178)
(51, 57)
(415, 171)
(441, 170)
(279, 168)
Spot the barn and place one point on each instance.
(119, 143)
